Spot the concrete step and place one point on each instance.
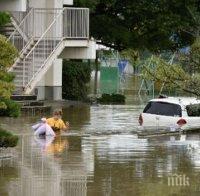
(26, 103)
(7, 30)
(24, 97)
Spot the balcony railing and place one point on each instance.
(74, 23)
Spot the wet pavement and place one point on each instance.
(102, 156)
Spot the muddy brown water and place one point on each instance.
(102, 156)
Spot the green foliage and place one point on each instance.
(164, 72)
(193, 110)
(8, 53)
(183, 76)
(112, 99)
(76, 76)
(132, 56)
(191, 61)
(12, 108)
(7, 139)
(142, 24)
(4, 18)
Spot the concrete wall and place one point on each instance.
(75, 52)
(13, 5)
(48, 3)
(68, 2)
(50, 87)
(21, 5)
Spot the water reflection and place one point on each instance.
(52, 145)
(47, 168)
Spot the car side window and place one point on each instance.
(163, 108)
(193, 110)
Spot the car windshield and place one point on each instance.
(163, 108)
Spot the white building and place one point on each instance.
(45, 32)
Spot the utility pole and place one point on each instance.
(96, 74)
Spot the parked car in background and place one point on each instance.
(172, 113)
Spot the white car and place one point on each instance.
(170, 112)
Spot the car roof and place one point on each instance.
(183, 101)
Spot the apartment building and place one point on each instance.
(45, 32)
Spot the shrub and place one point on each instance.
(112, 99)
(7, 139)
(76, 76)
(12, 109)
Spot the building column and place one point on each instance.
(53, 81)
(50, 86)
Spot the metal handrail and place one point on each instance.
(48, 29)
(37, 43)
(77, 23)
(22, 22)
(43, 35)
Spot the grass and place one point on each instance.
(7, 139)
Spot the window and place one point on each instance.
(163, 108)
(193, 110)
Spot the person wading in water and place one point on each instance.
(56, 123)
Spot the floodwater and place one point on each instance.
(101, 156)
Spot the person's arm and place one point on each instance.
(65, 127)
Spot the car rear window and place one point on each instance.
(193, 110)
(163, 108)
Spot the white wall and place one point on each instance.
(21, 5)
(88, 52)
(46, 3)
(53, 77)
(13, 5)
(50, 86)
(68, 2)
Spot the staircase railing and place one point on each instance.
(23, 33)
(41, 51)
(47, 28)
(19, 15)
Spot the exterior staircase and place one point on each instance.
(7, 30)
(40, 44)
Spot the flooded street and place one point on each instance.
(102, 156)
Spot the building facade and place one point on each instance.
(45, 32)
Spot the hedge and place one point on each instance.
(12, 110)
(7, 139)
(112, 99)
(76, 76)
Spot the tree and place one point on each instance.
(132, 56)
(178, 76)
(4, 18)
(155, 25)
(8, 53)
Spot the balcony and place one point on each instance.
(76, 23)
(73, 22)
(68, 23)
